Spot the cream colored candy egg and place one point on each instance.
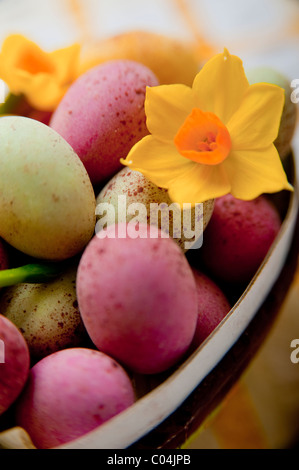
(129, 197)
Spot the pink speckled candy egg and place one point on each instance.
(213, 306)
(14, 363)
(238, 237)
(102, 115)
(137, 298)
(70, 393)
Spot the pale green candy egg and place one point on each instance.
(47, 202)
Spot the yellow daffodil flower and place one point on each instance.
(42, 77)
(214, 138)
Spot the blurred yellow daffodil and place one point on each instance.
(214, 138)
(42, 77)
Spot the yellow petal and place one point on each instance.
(220, 86)
(256, 122)
(199, 184)
(158, 161)
(18, 81)
(18, 52)
(66, 63)
(254, 172)
(41, 76)
(166, 108)
(43, 92)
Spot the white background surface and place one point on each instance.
(259, 31)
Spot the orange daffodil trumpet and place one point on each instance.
(214, 138)
(42, 77)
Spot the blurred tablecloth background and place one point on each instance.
(262, 411)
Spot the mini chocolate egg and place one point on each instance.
(47, 202)
(238, 238)
(132, 196)
(102, 115)
(171, 60)
(47, 313)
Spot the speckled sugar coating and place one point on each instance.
(213, 305)
(102, 115)
(47, 202)
(70, 393)
(238, 237)
(137, 299)
(137, 188)
(46, 313)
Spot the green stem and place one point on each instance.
(30, 273)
